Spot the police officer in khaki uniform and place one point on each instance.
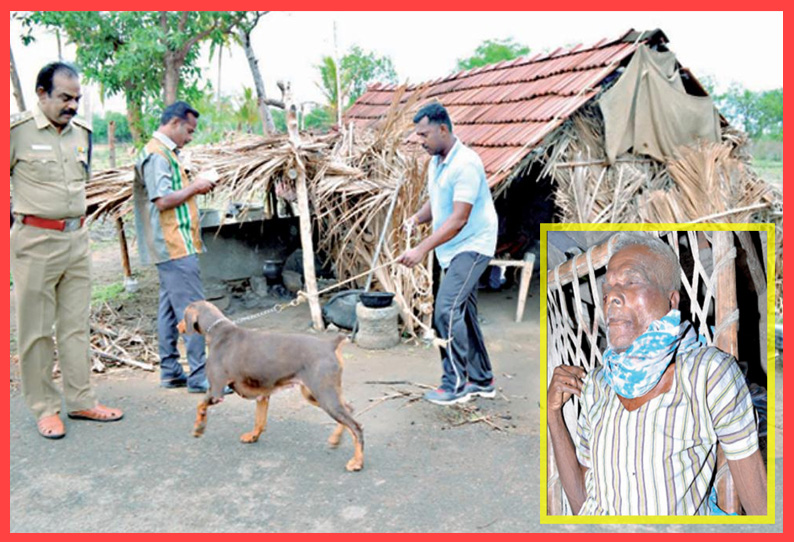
(50, 260)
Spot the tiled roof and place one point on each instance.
(503, 110)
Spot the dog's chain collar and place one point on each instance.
(275, 308)
(215, 323)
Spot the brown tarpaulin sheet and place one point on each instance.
(649, 111)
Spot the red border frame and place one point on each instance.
(438, 5)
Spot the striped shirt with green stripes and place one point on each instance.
(660, 458)
(173, 233)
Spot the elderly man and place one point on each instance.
(464, 221)
(653, 413)
(169, 236)
(50, 259)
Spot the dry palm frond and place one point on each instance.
(352, 178)
(708, 183)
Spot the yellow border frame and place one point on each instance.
(770, 278)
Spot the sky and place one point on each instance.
(742, 47)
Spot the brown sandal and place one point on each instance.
(99, 413)
(51, 427)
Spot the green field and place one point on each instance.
(769, 170)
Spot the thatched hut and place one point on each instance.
(615, 132)
(573, 135)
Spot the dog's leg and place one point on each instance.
(336, 436)
(260, 422)
(332, 403)
(201, 416)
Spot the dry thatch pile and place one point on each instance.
(354, 175)
(708, 183)
(352, 178)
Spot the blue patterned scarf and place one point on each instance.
(635, 372)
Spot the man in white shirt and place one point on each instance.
(464, 239)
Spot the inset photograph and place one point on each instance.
(657, 374)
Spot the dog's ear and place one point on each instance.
(191, 320)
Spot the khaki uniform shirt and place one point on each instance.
(49, 170)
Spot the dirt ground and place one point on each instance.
(428, 468)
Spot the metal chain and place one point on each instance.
(275, 308)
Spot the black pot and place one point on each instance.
(272, 269)
(376, 300)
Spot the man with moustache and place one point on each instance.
(654, 411)
(50, 260)
(461, 210)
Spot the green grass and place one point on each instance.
(769, 170)
(109, 292)
(100, 157)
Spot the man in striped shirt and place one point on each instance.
(653, 413)
(167, 224)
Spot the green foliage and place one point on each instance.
(492, 51)
(247, 113)
(217, 119)
(760, 113)
(319, 119)
(100, 127)
(125, 52)
(358, 69)
(279, 119)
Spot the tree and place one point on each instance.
(149, 57)
(16, 84)
(358, 69)
(181, 32)
(493, 51)
(760, 114)
(247, 113)
(263, 103)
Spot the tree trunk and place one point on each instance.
(173, 65)
(17, 86)
(135, 120)
(60, 47)
(261, 98)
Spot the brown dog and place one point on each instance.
(256, 363)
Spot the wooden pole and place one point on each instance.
(568, 273)
(112, 143)
(125, 253)
(725, 304)
(18, 96)
(758, 275)
(302, 194)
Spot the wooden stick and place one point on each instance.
(382, 400)
(725, 303)
(102, 331)
(305, 218)
(140, 365)
(567, 271)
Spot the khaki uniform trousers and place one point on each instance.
(52, 285)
